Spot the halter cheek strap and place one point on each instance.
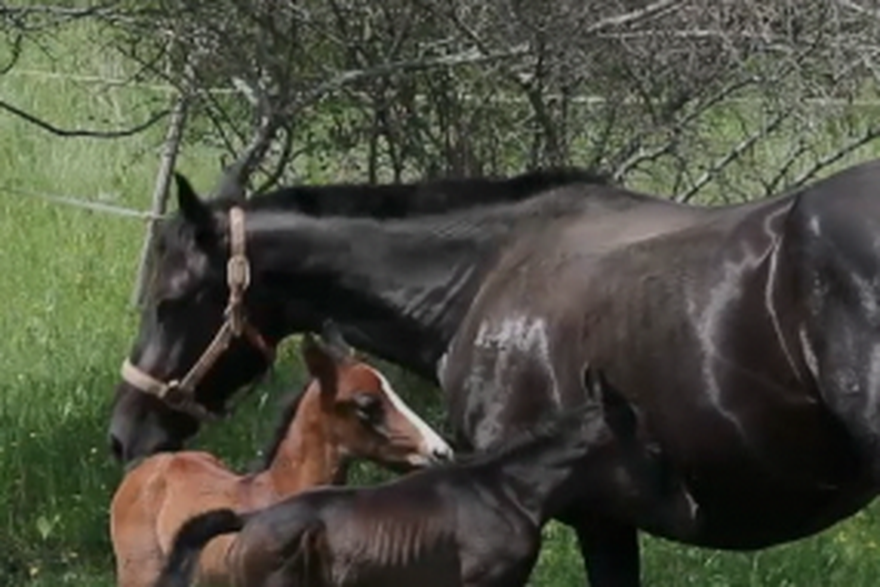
(180, 394)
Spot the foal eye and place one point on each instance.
(368, 407)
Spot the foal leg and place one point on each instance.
(139, 556)
(611, 552)
(139, 562)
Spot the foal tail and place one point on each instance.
(191, 539)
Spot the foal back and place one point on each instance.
(347, 537)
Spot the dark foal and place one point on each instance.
(471, 524)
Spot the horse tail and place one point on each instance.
(191, 539)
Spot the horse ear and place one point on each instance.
(320, 362)
(194, 209)
(332, 336)
(619, 413)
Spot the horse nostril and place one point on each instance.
(116, 447)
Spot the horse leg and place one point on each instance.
(611, 552)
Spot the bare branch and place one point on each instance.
(873, 12)
(235, 177)
(102, 134)
(732, 156)
(281, 164)
(469, 57)
(870, 134)
(654, 9)
(170, 150)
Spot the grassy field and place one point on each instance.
(65, 278)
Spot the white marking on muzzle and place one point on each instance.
(433, 447)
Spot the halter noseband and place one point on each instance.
(180, 394)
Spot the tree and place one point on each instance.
(728, 99)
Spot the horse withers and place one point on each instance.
(347, 410)
(475, 523)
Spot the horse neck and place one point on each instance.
(307, 456)
(397, 290)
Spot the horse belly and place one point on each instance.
(441, 568)
(765, 484)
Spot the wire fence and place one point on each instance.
(82, 203)
(582, 100)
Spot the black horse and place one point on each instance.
(747, 335)
(471, 524)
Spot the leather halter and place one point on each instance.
(179, 394)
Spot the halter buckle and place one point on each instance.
(173, 393)
(238, 273)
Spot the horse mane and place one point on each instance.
(536, 196)
(477, 224)
(400, 200)
(288, 413)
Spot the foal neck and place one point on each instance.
(307, 456)
(542, 475)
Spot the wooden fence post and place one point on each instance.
(170, 150)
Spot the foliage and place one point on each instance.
(459, 87)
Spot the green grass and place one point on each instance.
(65, 325)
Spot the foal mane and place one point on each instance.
(288, 413)
(550, 427)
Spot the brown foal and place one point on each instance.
(348, 410)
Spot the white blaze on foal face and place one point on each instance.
(432, 447)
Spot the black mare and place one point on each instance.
(746, 335)
(471, 524)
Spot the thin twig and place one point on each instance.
(102, 134)
(630, 17)
(732, 155)
(869, 135)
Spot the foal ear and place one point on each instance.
(194, 210)
(320, 362)
(618, 411)
(332, 336)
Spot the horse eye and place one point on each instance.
(163, 309)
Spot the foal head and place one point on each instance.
(360, 414)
